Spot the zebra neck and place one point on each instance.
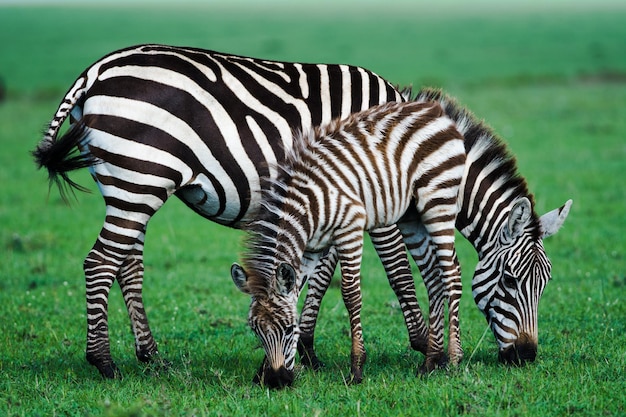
(487, 196)
(480, 224)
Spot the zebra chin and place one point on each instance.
(274, 378)
(523, 351)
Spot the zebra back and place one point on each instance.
(236, 111)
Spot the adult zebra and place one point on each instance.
(153, 121)
(495, 213)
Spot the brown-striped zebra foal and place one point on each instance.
(339, 180)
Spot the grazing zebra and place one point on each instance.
(496, 215)
(153, 121)
(338, 181)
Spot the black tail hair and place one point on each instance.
(61, 156)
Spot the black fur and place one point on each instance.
(61, 156)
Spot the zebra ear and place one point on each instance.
(552, 221)
(518, 217)
(239, 278)
(285, 279)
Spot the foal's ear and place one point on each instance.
(285, 279)
(519, 217)
(239, 277)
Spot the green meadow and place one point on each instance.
(551, 79)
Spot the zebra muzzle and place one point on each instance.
(519, 354)
(273, 378)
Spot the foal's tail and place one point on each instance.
(61, 155)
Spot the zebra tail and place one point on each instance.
(60, 156)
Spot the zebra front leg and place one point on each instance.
(390, 247)
(422, 250)
(449, 279)
(318, 283)
(435, 355)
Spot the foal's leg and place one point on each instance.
(390, 248)
(318, 283)
(392, 252)
(349, 244)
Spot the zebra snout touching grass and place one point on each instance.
(338, 181)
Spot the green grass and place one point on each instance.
(552, 82)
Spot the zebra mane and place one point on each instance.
(485, 149)
(261, 255)
(259, 248)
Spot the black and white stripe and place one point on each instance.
(338, 181)
(152, 121)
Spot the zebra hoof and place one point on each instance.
(308, 358)
(109, 371)
(432, 363)
(147, 356)
(420, 345)
(107, 368)
(356, 368)
(356, 377)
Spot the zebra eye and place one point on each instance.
(509, 280)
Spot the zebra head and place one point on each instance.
(510, 277)
(273, 318)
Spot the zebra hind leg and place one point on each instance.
(99, 277)
(130, 279)
(116, 255)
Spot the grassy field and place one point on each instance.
(551, 80)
